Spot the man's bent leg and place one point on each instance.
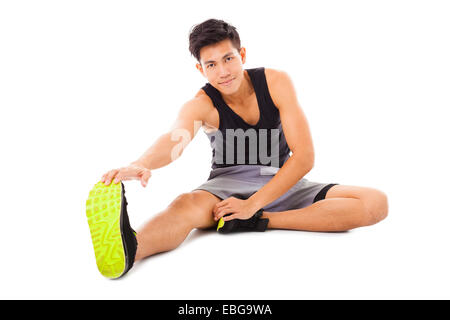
(168, 229)
(344, 208)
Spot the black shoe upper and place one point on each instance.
(255, 223)
(128, 234)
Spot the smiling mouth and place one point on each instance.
(227, 82)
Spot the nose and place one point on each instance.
(223, 72)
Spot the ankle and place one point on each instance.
(139, 254)
(266, 215)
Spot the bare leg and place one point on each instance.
(168, 229)
(344, 208)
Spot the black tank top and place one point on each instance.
(236, 142)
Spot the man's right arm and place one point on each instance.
(167, 148)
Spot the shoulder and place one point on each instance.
(272, 74)
(199, 107)
(202, 100)
(279, 83)
(199, 104)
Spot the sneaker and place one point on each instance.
(113, 238)
(255, 223)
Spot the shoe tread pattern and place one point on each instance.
(103, 213)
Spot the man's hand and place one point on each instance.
(131, 172)
(239, 209)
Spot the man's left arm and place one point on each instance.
(298, 138)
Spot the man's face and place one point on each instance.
(221, 62)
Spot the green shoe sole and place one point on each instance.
(103, 208)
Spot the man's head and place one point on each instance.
(217, 47)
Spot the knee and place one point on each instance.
(190, 208)
(377, 206)
(183, 206)
(182, 201)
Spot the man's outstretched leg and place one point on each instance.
(117, 246)
(168, 229)
(344, 208)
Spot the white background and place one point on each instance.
(87, 86)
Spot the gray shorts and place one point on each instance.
(242, 181)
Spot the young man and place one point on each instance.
(245, 113)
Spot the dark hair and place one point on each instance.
(209, 32)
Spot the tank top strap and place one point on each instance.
(258, 76)
(226, 119)
(213, 94)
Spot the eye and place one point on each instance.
(230, 58)
(209, 65)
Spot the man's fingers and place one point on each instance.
(119, 177)
(220, 212)
(145, 176)
(219, 205)
(125, 174)
(110, 175)
(230, 217)
(223, 212)
(132, 174)
(222, 203)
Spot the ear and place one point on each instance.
(243, 54)
(199, 68)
